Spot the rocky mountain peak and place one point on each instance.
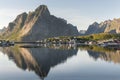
(23, 15)
(43, 10)
(92, 28)
(95, 23)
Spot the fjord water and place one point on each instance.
(59, 64)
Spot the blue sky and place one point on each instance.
(80, 13)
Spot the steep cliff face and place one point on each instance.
(39, 24)
(109, 26)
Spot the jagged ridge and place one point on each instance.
(109, 26)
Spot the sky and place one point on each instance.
(80, 13)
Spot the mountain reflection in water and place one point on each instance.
(106, 54)
(39, 60)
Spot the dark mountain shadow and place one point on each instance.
(39, 60)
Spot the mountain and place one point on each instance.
(38, 24)
(82, 32)
(108, 26)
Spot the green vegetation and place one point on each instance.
(100, 36)
(61, 38)
(14, 36)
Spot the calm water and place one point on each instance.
(59, 64)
